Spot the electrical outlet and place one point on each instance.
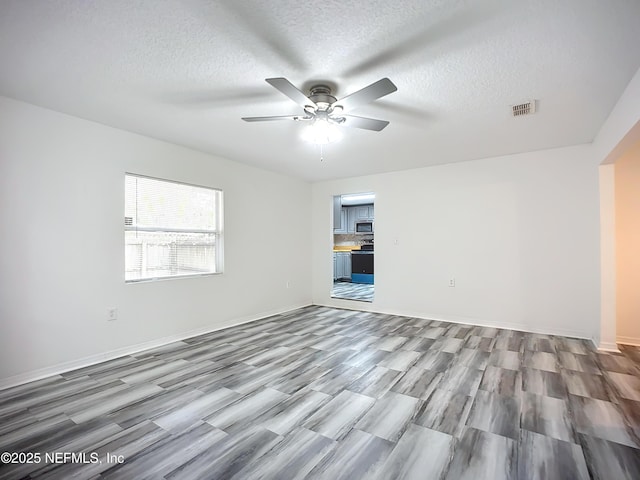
(112, 314)
(452, 282)
(288, 285)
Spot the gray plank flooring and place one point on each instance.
(324, 393)
(353, 291)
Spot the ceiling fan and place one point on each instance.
(324, 111)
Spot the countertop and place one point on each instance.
(345, 248)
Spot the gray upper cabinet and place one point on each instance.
(351, 219)
(337, 209)
(362, 213)
(341, 221)
(345, 221)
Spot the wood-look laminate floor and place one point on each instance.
(331, 394)
(353, 291)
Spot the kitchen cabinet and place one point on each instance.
(362, 212)
(346, 265)
(341, 265)
(351, 219)
(349, 216)
(337, 209)
(342, 222)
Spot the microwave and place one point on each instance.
(364, 227)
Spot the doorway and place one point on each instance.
(353, 246)
(619, 231)
(627, 239)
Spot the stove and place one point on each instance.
(362, 264)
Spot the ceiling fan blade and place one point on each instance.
(272, 118)
(286, 87)
(365, 123)
(265, 34)
(410, 112)
(367, 94)
(457, 29)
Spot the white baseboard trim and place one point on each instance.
(476, 322)
(42, 373)
(633, 341)
(607, 347)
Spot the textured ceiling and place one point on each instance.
(186, 71)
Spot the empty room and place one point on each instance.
(320, 240)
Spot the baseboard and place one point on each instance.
(633, 341)
(476, 322)
(42, 373)
(607, 347)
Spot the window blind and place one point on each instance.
(171, 229)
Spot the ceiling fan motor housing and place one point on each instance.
(321, 96)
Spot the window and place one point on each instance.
(171, 229)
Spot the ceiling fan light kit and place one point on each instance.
(325, 112)
(321, 132)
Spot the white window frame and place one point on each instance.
(217, 231)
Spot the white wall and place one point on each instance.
(621, 130)
(62, 255)
(519, 233)
(627, 233)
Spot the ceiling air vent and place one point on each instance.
(526, 108)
